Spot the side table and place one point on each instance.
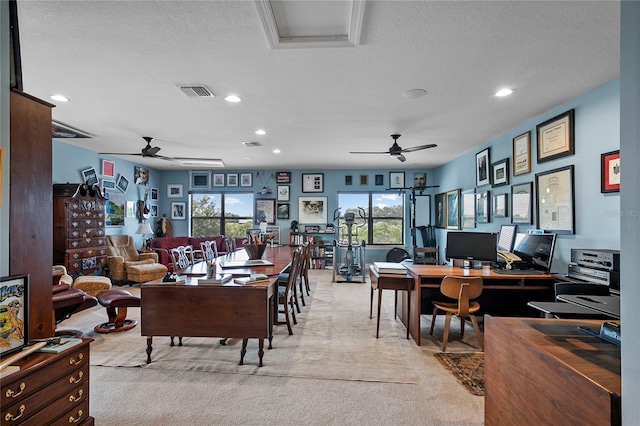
(394, 282)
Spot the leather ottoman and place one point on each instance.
(117, 301)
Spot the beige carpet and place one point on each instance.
(332, 340)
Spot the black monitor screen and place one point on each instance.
(535, 249)
(472, 246)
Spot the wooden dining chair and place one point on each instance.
(286, 298)
(181, 257)
(425, 255)
(209, 251)
(463, 290)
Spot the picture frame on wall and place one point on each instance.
(483, 206)
(440, 201)
(174, 190)
(178, 210)
(265, 211)
(283, 211)
(556, 137)
(15, 293)
(468, 208)
(89, 176)
(140, 175)
(396, 180)
(419, 180)
(500, 173)
(218, 179)
(483, 176)
(131, 209)
(153, 210)
(232, 179)
(453, 209)
(348, 180)
(555, 206)
(122, 183)
(379, 180)
(246, 179)
(283, 192)
(610, 172)
(108, 185)
(500, 205)
(364, 179)
(312, 210)
(200, 179)
(283, 177)
(108, 168)
(115, 209)
(522, 203)
(313, 182)
(154, 194)
(522, 154)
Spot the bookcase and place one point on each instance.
(321, 246)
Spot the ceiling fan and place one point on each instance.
(396, 150)
(152, 152)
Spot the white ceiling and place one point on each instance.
(120, 62)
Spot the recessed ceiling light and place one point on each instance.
(260, 132)
(276, 151)
(232, 98)
(504, 92)
(414, 93)
(59, 98)
(247, 158)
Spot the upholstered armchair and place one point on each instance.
(123, 259)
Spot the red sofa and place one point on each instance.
(162, 245)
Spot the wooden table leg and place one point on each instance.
(260, 350)
(243, 351)
(149, 348)
(379, 303)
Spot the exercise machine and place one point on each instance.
(348, 257)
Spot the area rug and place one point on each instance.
(468, 369)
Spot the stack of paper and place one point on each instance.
(253, 278)
(390, 268)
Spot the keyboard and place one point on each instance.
(519, 271)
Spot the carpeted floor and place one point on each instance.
(331, 371)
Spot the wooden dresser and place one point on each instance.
(78, 230)
(51, 389)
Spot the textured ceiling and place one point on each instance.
(119, 63)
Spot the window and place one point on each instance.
(221, 214)
(379, 217)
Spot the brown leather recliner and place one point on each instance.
(122, 254)
(67, 300)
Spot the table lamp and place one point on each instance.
(145, 229)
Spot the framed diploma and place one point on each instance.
(521, 202)
(556, 137)
(610, 172)
(522, 154)
(556, 201)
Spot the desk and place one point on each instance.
(390, 282)
(517, 290)
(607, 305)
(541, 371)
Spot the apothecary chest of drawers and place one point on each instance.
(79, 241)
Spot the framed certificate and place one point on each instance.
(556, 137)
(556, 203)
(522, 154)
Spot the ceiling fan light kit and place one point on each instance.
(396, 151)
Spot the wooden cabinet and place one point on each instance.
(79, 240)
(49, 389)
(321, 247)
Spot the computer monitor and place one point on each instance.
(506, 237)
(479, 246)
(535, 250)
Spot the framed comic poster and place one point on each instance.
(610, 172)
(14, 313)
(265, 211)
(556, 201)
(312, 210)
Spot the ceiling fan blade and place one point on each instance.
(119, 153)
(369, 152)
(401, 157)
(151, 151)
(419, 147)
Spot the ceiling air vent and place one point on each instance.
(250, 144)
(196, 91)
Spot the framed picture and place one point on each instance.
(14, 315)
(283, 192)
(610, 172)
(114, 209)
(312, 182)
(379, 180)
(122, 184)
(218, 179)
(364, 179)
(89, 176)
(522, 154)
(141, 175)
(482, 207)
(246, 179)
(108, 185)
(283, 177)
(131, 209)
(178, 210)
(154, 194)
(174, 190)
(283, 211)
(200, 179)
(441, 210)
(482, 168)
(108, 168)
(348, 180)
(396, 180)
(556, 137)
(453, 209)
(312, 210)
(419, 180)
(555, 209)
(153, 210)
(265, 211)
(468, 208)
(232, 179)
(522, 203)
(500, 205)
(500, 173)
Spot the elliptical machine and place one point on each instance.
(348, 264)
